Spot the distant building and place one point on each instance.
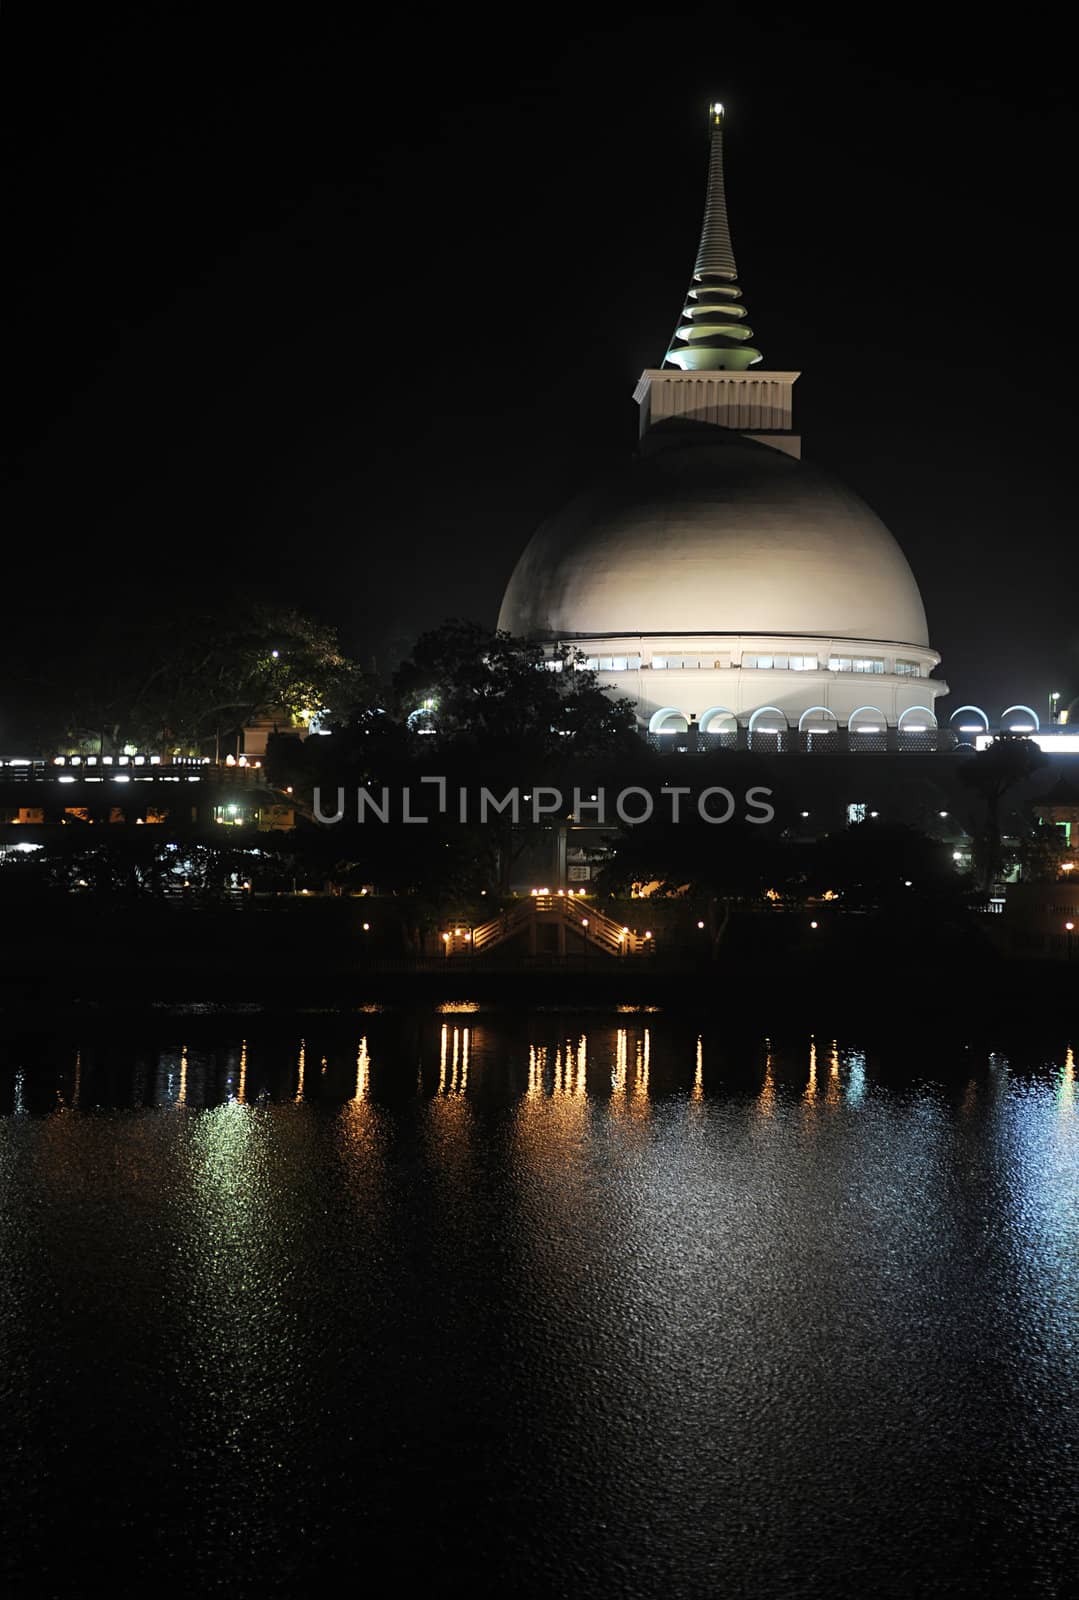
(1060, 808)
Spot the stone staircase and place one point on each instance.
(567, 912)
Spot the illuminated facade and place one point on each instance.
(719, 581)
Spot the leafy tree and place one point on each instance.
(991, 774)
(733, 861)
(486, 689)
(222, 674)
(880, 865)
(1042, 849)
(115, 867)
(510, 713)
(179, 682)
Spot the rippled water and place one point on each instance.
(541, 1304)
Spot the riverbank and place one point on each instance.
(967, 998)
(345, 954)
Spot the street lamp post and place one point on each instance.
(1054, 701)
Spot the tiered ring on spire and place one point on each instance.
(713, 334)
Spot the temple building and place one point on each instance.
(722, 583)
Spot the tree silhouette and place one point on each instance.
(177, 682)
(473, 685)
(991, 774)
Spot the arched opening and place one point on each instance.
(717, 719)
(867, 729)
(917, 719)
(963, 724)
(668, 720)
(818, 728)
(1020, 719)
(917, 729)
(768, 729)
(719, 728)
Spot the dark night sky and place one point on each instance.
(337, 310)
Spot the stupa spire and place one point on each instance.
(713, 333)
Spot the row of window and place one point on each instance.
(784, 663)
(855, 664)
(766, 663)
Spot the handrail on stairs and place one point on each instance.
(596, 927)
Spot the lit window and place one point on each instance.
(780, 663)
(839, 664)
(659, 662)
(856, 812)
(868, 664)
(907, 669)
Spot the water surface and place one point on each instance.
(540, 1303)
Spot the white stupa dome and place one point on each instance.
(708, 532)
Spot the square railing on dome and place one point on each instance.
(923, 739)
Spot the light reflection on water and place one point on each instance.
(605, 1061)
(625, 1305)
